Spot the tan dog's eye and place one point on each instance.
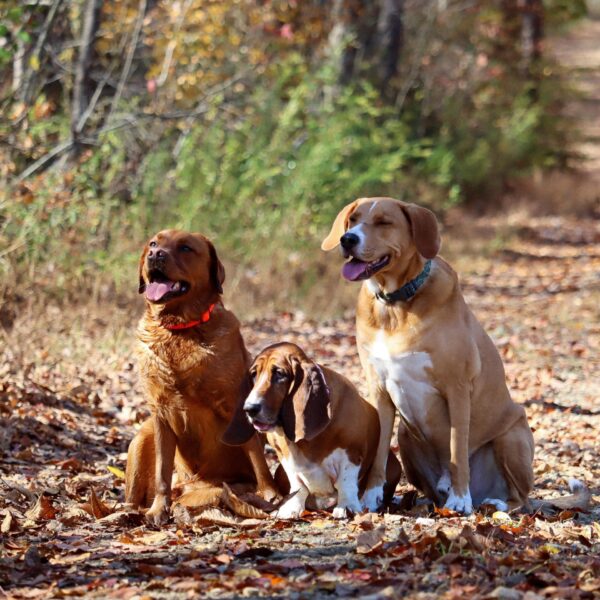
(383, 223)
(253, 374)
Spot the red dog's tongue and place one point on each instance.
(354, 269)
(156, 290)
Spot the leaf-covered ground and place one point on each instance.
(69, 405)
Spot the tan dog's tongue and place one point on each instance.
(156, 290)
(355, 269)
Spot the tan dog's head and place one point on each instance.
(378, 234)
(178, 267)
(288, 390)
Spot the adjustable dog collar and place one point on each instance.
(204, 317)
(408, 290)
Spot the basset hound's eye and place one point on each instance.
(185, 248)
(383, 223)
(279, 375)
(253, 374)
(152, 244)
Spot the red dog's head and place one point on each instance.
(178, 268)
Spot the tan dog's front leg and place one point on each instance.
(372, 498)
(166, 442)
(264, 481)
(459, 408)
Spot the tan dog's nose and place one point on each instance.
(349, 240)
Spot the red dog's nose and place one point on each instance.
(160, 253)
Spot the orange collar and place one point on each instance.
(203, 319)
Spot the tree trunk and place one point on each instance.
(532, 34)
(342, 39)
(390, 29)
(83, 86)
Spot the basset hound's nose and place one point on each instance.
(349, 240)
(252, 409)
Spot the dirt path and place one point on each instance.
(578, 51)
(69, 404)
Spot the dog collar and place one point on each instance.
(204, 317)
(408, 290)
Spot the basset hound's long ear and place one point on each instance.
(307, 409)
(240, 430)
(339, 227)
(424, 228)
(142, 283)
(217, 270)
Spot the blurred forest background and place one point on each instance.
(253, 121)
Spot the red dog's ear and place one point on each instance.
(142, 283)
(424, 228)
(217, 270)
(240, 430)
(339, 227)
(307, 410)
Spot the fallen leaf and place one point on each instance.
(370, 541)
(239, 507)
(97, 508)
(9, 523)
(116, 471)
(42, 509)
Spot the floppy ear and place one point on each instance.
(307, 410)
(142, 283)
(239, 430)
(217, 270)
(339, 227)
(424, 228)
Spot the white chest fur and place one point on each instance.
(318, 478)
(407, 377)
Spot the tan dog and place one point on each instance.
(192, 363)
(324, 433)
(463, 441)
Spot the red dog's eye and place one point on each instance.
(185, 248)
(152, 244)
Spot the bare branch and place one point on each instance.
(37, 49)
(130, 54)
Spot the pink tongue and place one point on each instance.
(354, 269)
(156, 290)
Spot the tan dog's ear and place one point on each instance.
(142, 283)
(424, 227)
(217, 270)
(339, 227)
(307, 409)
(240, 430)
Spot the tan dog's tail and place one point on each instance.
(579, 498)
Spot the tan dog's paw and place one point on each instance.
(158, 514)
(460, 504)
(373, 497)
